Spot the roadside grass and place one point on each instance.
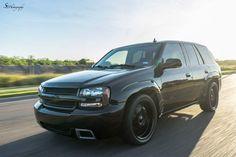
(18, 84)
(12, 80)
(228, 72)
(18, 90)
(227, 66)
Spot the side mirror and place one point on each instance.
(171, 63)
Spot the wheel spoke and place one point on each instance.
(142, 120)
(213, 97)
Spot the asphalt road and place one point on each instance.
(188, 132)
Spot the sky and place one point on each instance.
(60, 29)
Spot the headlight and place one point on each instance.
(99, 95)
(94, 92)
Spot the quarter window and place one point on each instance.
(206, 54)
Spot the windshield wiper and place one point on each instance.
(123, 65)
(116, 65)
(101, 67)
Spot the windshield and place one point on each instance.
(129, 57)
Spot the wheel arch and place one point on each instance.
(153, 93)
(215, 79)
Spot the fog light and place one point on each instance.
(96, 104)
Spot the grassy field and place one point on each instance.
(227, 66)
(15, 85)
(16, 91)
(11, 80)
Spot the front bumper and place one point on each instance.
(103, 122)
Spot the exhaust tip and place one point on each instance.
(85, 134)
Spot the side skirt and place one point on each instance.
(179, 108)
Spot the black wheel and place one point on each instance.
(140, 120)
(211, 101)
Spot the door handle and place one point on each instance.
(188, 75)
(206, 71)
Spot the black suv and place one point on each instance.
(126, 91)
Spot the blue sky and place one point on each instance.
(72, 29)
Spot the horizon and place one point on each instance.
(76, 29)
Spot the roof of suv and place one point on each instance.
(165, 41)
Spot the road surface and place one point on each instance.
(188, 132)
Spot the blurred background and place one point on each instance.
(22, 76)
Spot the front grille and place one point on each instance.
(60, 91)
(58, 104)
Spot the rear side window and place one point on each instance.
(206, 54)
(191, 54)
(199, 57)
(173, 51)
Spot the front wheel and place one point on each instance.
(140, 120)
(211, 101)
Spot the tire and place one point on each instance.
(211, 100)
(140, 120)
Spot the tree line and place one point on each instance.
(4, 60)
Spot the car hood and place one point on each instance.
(87, 77)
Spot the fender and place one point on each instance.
(214, 75)
(138, 87)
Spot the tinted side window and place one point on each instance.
(137, 56)
(191, 54)
(173, 51)
(206, 54)
(142, 57)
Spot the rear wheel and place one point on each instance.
(140, 120)
(211, 101)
